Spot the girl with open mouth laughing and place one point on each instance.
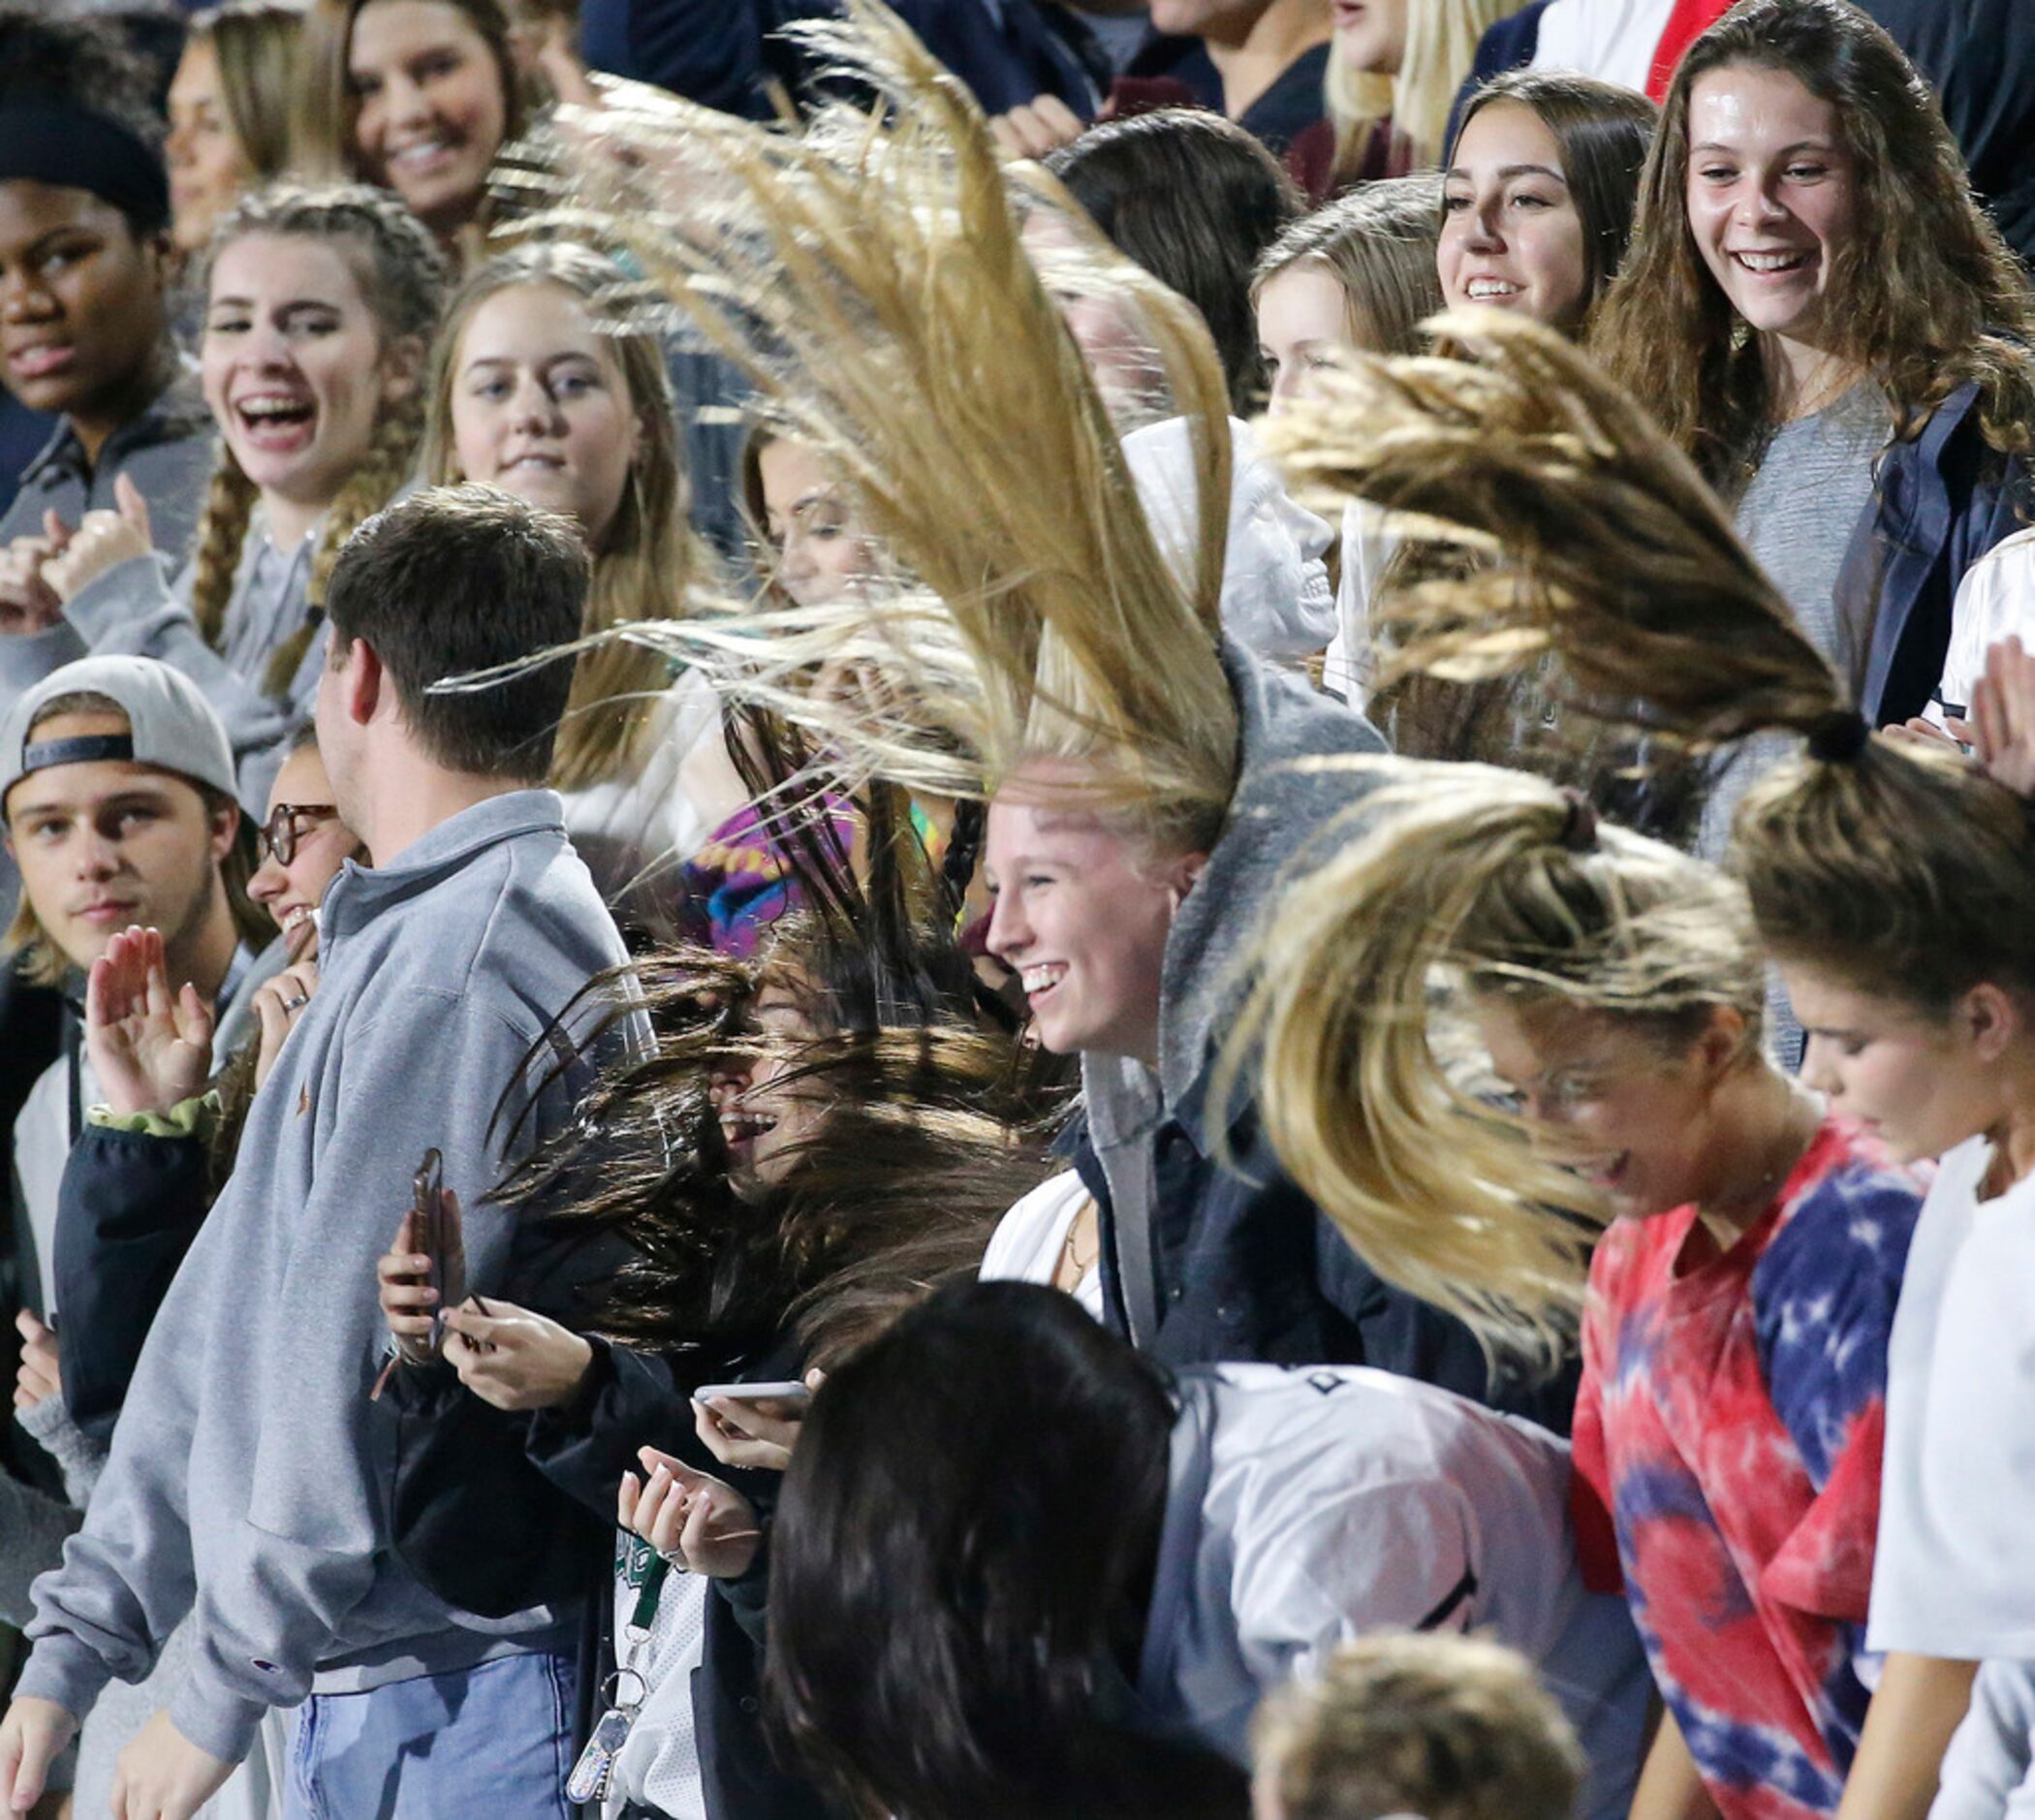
(319, 306)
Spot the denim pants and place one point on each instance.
(494, 1740)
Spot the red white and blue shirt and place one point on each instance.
(1730, 1425)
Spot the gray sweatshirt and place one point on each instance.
(247, 1482)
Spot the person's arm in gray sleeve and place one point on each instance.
(33, 1526)
(283, 1575)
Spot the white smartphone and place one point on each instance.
(787, 1390)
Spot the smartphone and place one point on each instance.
(429, 1230)
(788, 1392)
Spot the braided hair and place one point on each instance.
(401, 275)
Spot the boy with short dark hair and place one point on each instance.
(246, 1480)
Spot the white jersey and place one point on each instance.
(1311, 1506)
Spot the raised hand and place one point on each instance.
(101, 541)
(149, 1048)
(692, 1518)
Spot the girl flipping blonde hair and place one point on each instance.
(1051, 656)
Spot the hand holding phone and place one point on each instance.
(424, 1273)
(752, 1424)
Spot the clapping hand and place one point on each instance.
(101, 541)
(150, 1049)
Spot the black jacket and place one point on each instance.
(494, 1511)
(127, 1211)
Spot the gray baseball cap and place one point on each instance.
(170, 725)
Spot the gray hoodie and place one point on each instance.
(248, 1483)
(1276, 811)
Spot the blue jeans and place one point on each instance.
(494, 1741)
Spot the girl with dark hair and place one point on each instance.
(1538, 193)
(811, 1141)
(418, 96)
(1194, 199)
(320, 307)
(1822, 320)
(1018, 1569)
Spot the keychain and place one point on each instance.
(625, 1690)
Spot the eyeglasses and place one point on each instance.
(287, 825)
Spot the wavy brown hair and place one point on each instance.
(1931, 297)
(647, 556)
(401, 276)
(1900, 868)
(933, 1128)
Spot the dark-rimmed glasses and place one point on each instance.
(286, 824)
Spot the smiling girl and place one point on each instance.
(540, 386)
(416, 96)
(1821, 319)
(1538, 195)
(319, 306)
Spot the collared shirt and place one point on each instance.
(167, 451)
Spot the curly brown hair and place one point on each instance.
(1931, 298)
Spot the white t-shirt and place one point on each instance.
(1955, 1571)
(1995, 600)
(1031, 1239)
(1307, 1507)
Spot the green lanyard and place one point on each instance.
(643, 1568)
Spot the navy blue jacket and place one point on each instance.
(1942, 501)
(128, 1210)
(1249, 1269)
(723, 52)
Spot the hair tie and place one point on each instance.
(1579, 827)
(1839, 736)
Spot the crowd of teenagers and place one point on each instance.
(1001, 911)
